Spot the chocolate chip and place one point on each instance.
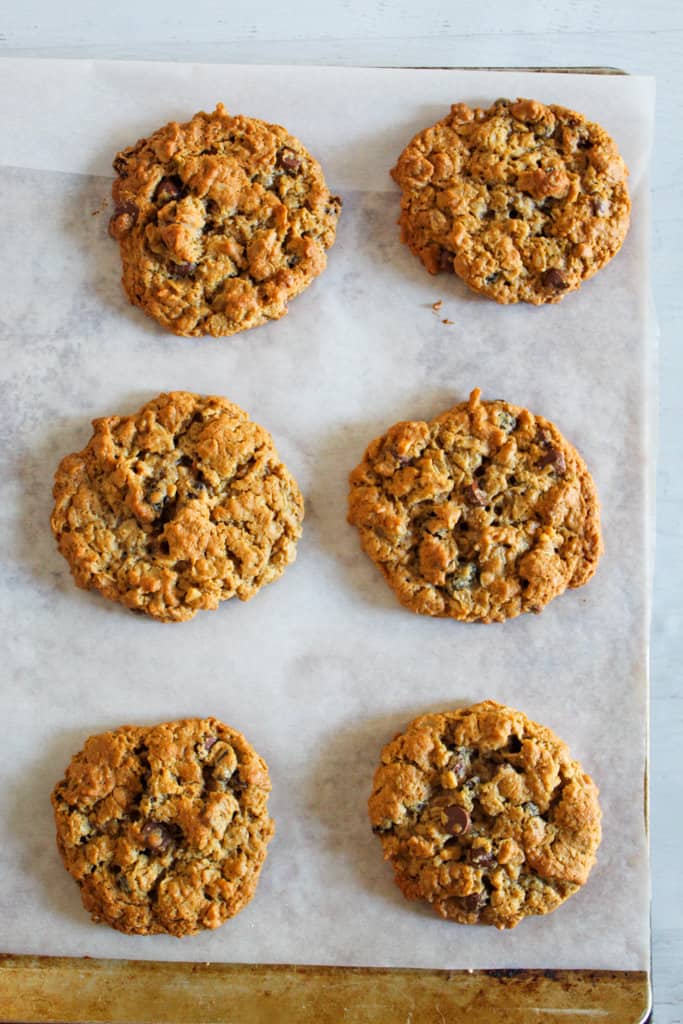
(168, 189)
(157, 836)
(555, 279)
(120, 164)
(514, 745)
(584, 143)
(457, 820)
(446, 260)
(289, 160)
(475, 496)
(514, 214)
(492, 278)
(555, 458)
(184, 460)
(167, 511)
(481, 858)
(474, 902)
(183, 269)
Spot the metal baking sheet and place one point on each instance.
(345, 667)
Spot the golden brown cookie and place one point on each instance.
(481, 514)
(484, 814)
(180, 506)
(523, 201)
(164, 828)
(221, 221)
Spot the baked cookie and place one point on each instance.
(221, 221)
(481, 514)
(180, 506)
(523, 201)
(484, 814)
(164, 828)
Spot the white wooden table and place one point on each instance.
(644, 38)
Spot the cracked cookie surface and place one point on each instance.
(176, 508)
(221, 221)
(482, 514)
(164, 828)
(523, 201)
(484, 814)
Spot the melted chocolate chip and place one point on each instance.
(183, 269)
(481, 858)
(157, 837)
(168, 189)
(555, 458)
(475, 496)
(289, 160)
(475, 902)
(457, 820)
(446, 260)
(555, 279)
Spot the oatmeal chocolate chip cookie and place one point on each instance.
(221, 221)
(176, 508)
(484, 814)
(165, 828)
(523, 201)
(482, 514)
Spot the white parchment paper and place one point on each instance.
(324, 666)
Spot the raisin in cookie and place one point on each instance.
(165, 828)
(481, 514)
(484, 814)
(180, 506)
(523, 201)
(221, 221)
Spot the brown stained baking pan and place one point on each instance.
(128, 991)
(62, 990)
